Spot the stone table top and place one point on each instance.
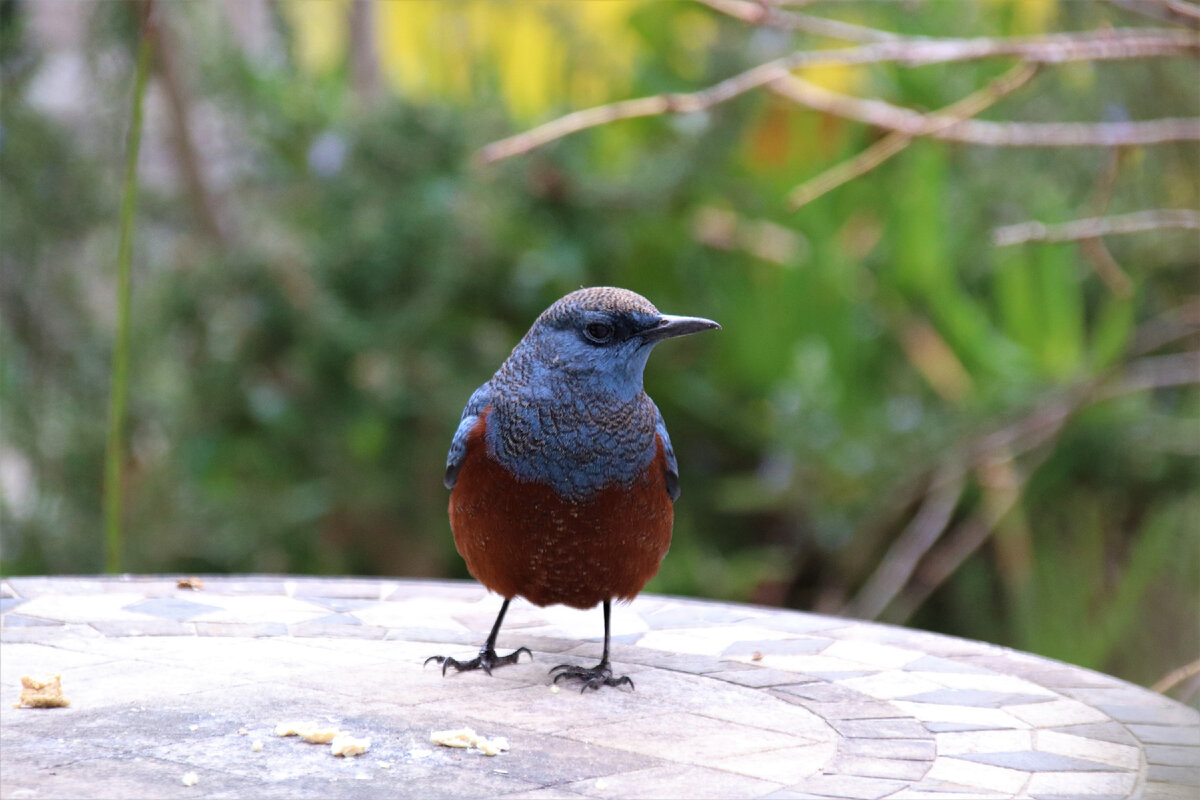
(731, 700)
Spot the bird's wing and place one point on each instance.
(660, 427)
(481, 398)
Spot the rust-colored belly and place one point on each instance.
(523, 539)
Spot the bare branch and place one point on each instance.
(1053, 49)
(1094, 249)
(947, 551)
(1175, 677)
(993, 134)
(906, 552)
(1094, 227)
(771, 17)
(895, 142)
(1155, 372)
(1178, 11)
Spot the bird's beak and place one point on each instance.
(670, 326)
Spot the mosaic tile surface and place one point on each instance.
(731, 700)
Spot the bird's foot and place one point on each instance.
(590, 677)
(487, 660)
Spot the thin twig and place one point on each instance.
(1053, 49)
(1175, 677)
(895, 142)
(1094, 249)
(993, 134)
(186, 154)
(910, 546)
(901, 583)
(1177, 11)
(1094, 227)
(771, 17)
(1167, 328)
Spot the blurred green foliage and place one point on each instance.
(295, 386)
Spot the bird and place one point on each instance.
(561, 474)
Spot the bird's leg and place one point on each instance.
(597, 676)
(487, 658)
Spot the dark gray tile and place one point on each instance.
(880, 728)
(1065, 676)
(1105, 731)
(759, 677)
(1166, 734)
(960, 727)
(7, 604)
(146, 627)
(1158, 790)
(1035, 761)
(22, 621)
(1174, 714)
(1188, 776)
(822, 692)
(171, 608)
(848, 787)
(1172, 755)
(905, 749)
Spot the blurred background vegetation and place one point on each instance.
(899, 420)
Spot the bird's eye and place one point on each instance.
(598, 332)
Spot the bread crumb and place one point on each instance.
(493, 746)
(346, 745)
(190, 779)
(308, 731)
(756, 656)
(257, 745)
(243, 732)
(460, 737)
(193, 727)
(554, 689)
(42, 694)
(466, 737)
(195, 584)
(385, 765)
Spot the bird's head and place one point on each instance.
(603, 336)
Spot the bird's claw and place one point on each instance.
(590, 677)
(487, 660)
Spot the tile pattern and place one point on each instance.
(731, 700)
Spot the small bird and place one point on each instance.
(562, 475)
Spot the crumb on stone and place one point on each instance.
(346, 745)
(42, 694)
(308, 731)
(466, 737)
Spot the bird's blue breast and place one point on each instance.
(577, 443)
